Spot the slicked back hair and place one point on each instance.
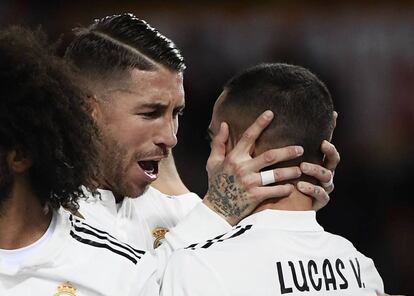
(114, 44)
(301, 103)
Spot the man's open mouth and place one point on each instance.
(150, 167)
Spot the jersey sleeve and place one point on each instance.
(199, 225)
(188, 275)
(144, 278)
(150, 288)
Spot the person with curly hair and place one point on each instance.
(135, 75)
(48, 159)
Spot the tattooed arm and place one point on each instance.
(232, 204)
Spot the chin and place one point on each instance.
(138, 191)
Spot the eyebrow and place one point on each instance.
(159, 106)
(120, 89)
(153, 106)
(145, 105)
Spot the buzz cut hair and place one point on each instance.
(114, 44)
(301, 102)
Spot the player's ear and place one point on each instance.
(334, 118)
(18, 160)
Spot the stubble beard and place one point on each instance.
(116, 163)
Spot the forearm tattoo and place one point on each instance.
(227, 198)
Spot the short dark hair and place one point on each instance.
(117, 43)
(301, 103)
(45, 114)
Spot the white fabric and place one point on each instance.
(12, 259)
(266, 252)
(186, 217)
(134, 219)
(93, 270)
(268, 177)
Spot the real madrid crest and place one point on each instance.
(159, 234)
(66, 289)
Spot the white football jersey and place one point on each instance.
(79, 260)
(143, 221)
(272, 253)
(184, 218)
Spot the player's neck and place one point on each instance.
(296, 201)
(106, 185)
(22, 218)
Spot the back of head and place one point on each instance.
(45, 115)
(114, 44)
(301, 103)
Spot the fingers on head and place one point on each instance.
(322, 174)
(332, 156)
(314, 191)
(266, 192)
(274, 156)
(253, 132)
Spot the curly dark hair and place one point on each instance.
(45, 113)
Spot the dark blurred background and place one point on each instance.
(363, 50)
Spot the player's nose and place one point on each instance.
(166, 135)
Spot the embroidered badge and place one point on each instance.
(66, 289)
(159, 234)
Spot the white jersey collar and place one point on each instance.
(284, 220)
(107, 196)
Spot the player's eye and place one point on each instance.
(151, 114)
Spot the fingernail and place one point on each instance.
(299, 150)
(268, 114)
(301, 186)
(305, 167)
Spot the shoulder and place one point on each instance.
(190, 196)
(338, 242)
(102, 243)
(236, 233)
(344, 247)
(154, 198)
